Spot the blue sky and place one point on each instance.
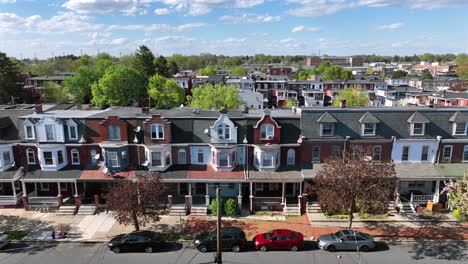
(233, 27)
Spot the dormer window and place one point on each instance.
(268, 160)
(113, 132)
(459, 129)
(75, 157)
(157, 131)
(224, 132)
(73, 132)
(50, 135)
(29, 132)
(368, 129)
(267, 132)
(6, 158)
(417, 129)
(326, 129)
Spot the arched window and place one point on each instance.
(31, 156)
(267, 131)
(224, 131)
(182, 156)
(291, 157)
(75, 157)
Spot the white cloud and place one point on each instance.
(129, 7)
(391, 26)
(7, 1)
(201, 7)
(156, 27)
(107, 42)
(249, 18)
(173, 39)
(162, 11)
(304, 29)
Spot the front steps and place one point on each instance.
(87, 210)
(178, 209)
(314, 207)
(67, 210)
(201, 210)
(291, 210)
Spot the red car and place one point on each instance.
(279, 239)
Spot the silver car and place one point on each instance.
(346, 239)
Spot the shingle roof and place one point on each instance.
(452, 170)
(67, 173)
(368, 118)
(416, 171)
(326, 118)
(416, 117)
(459, 117)
(282, 174)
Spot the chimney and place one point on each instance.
(38, 108)
(145, 110)
(342, 103)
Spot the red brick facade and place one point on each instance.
(157, 119)
(276, 131)
(113, 120)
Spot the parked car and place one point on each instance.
(232, 238)
(4, 240)
(279, 239)
(146, 241)
(346, 239)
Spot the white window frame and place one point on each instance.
(116, 159)
(322, 134)
(374, 152)
(363, 129)
(228, 158)
(33, 133)
(402, 151)
(53, 132)
(312, 154)
(157, 128)
(223, 128)
(200, 151)
(422, 132)
(161, 164)
(465, 150)
(268, 136)
(74, 152)
(454, 128)
(63, 157)
(444, 159)
(119, 134)
(422, 153)
(268, 156)
(28, 153)
(3, 158)
(75, 129)
(44, 186)
(53, 159)
(179, 153)
(291, 157)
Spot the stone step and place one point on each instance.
(87, 210)
(67, 210)
(177, 210)
(199, 210)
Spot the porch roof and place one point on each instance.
(452, 170)
(67, 174)
(309, 171)
(99, 175)
(282, 174)
(207, 172)
(11, 174)
(417, 171)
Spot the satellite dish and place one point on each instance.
(205, 131)
(367, 158)
(145, 163)
(137, 129)
(105, 170)
(97, 156)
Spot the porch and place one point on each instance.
(10, 189)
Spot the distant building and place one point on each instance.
(184, 82)
(253, 100)
(344, 61)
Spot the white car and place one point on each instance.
(4, 240)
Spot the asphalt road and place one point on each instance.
(76, 253)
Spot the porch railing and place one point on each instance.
(43, 200)
(10, 199)
(421, 198)
(267, 203)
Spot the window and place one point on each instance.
(316, 154)
(168, 158)
(465, 153)
(156, 159)
(73, 132)
(447, 154)
(92, 156)
(223, 159)
(44, 186)
(417, 129)
(6, 158)
(377, 153)
(200, 157)
(75, 157)
(29, 132)
(425, 153)
(405, 153)
(267, 132)
(336, 150)
(459, 128)
(182, 156)
(157, 131)
(113, 132)
(49, 132)
(224, 132)
(291, 157)
(60, 157)
(368, 129)
(113, 159)
(267, 160)
(48, 159)
(30, 155)
(327, 129)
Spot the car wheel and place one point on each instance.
(364, 248)
(331, 248)
(263, 248)
(202, 248)
(149, 249)
(116, 249)
(236, 248)
(294, 248)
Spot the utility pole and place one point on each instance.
(218, 258)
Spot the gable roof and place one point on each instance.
(326, 118)
(459, 117)
(417, 117)
(368, 118)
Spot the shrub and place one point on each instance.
(214, 207)
(16, 234)
(457, 213)
(231, 207)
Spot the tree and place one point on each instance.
(161, 66)
(138, 202)
(354, 96)
(127, 60)
(289, 103)
(462, 65)
(398, 74)
(173, 68)
(10, 80)
(370, 70)
(239, 70)
(457, 194)
(79, 85)
(231, 207)
(144, 62)
(118, 85)
(166, 93)
(207, 71)
(54, 93)
(217, 96)
(214, 207)
(354, 182)
(322, 67)
(335, 72)
(426, 75)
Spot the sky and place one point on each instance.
(43, 28)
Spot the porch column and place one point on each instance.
(300, 188)
(14, 190)
(283, 187)
(436, 192)
(239, 197)
(78, 200)
(59, 192)
(207, 194)
(169, 200)
(25, 196)
(59, 196)
(188, 198)
(251, 198)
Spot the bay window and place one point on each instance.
(113, 159)
(48, 158)
(156, 159)
(49, 129)
(29, 132)
(30, 156)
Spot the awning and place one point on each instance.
(310, 171)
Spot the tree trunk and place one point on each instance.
(135, 221)
(351, 212)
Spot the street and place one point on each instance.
(172, 253)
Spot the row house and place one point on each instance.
(428, 146)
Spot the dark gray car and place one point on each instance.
(346, 239)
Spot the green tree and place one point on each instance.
(79, 85)
(166, 93)
(457, 193)
(217, 96)
(322, 67)
(289, 103)
(54, 93)
(462, 65)
(161, 66)
(144, 62)
(370, 70)
(214, 207)
(118, 85)
(173, 68)
(399, 74)
(128, 60)
(353, 96)
(426, 75)
(239, 70)
(231, 207)
(10, 81)
(207, 71)
(337, 73)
